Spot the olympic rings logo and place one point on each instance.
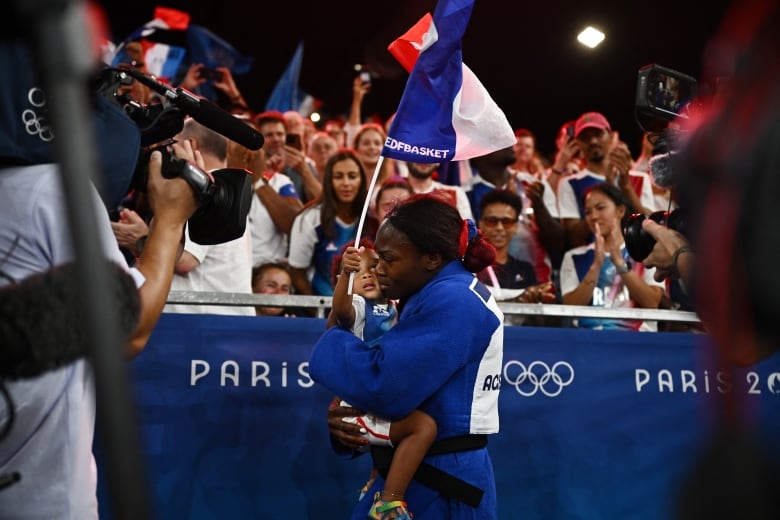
(538, 377)
(33, 124)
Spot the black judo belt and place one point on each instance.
(448, 485)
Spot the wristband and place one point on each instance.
(139, 245)
(264, 179)
(623, 269)
(676, 255)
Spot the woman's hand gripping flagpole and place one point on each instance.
(364, 213)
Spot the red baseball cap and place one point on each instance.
(591, 120)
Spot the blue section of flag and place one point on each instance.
(287, 95)
(422, 130)
(173, 61)
(137, 35)
(211, 50)
(161, 57)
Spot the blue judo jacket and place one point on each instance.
(443, 357)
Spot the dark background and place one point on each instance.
(525, 53)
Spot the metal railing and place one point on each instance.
(323, 303)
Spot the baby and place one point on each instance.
(368, 314)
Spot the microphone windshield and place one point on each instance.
(662, 171)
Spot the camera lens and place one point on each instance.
(639, 242)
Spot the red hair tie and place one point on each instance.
(468, 231)
(464, 239)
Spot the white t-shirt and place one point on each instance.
(303, 237)
(50, 443)
(609, 291)
(570, 191)
(268, 243)
(223, 267)
(461, 200)
(312, 250)
(526, 243)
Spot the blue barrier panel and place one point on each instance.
(594, 424)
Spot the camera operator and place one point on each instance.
(729, 184)
(49, 441)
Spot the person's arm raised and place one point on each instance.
(583, 293)
(643, 294)
(343, 313)
(173, 202)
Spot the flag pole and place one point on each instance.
(363, 214)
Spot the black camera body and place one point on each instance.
(225, 197)
(639, 242)
(663, 93)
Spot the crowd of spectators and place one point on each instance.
(311, 183)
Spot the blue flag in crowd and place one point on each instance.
(209, 49)
(445, 113)
(212, 51)
(287, 95)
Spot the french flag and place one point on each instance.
(162, 58)
(170, 44)
(445, 114)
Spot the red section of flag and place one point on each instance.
(406, 49)
(173, 18)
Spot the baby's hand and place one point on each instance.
(350, 261)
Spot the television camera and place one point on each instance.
(663, 95)
(225, 195)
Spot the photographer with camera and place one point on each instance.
(727, 179)
(659, 242)
(50, 441)
(660, 149)
(47, 418)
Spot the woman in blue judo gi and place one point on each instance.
(443, 357)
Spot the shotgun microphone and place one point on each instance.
(204, 112)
